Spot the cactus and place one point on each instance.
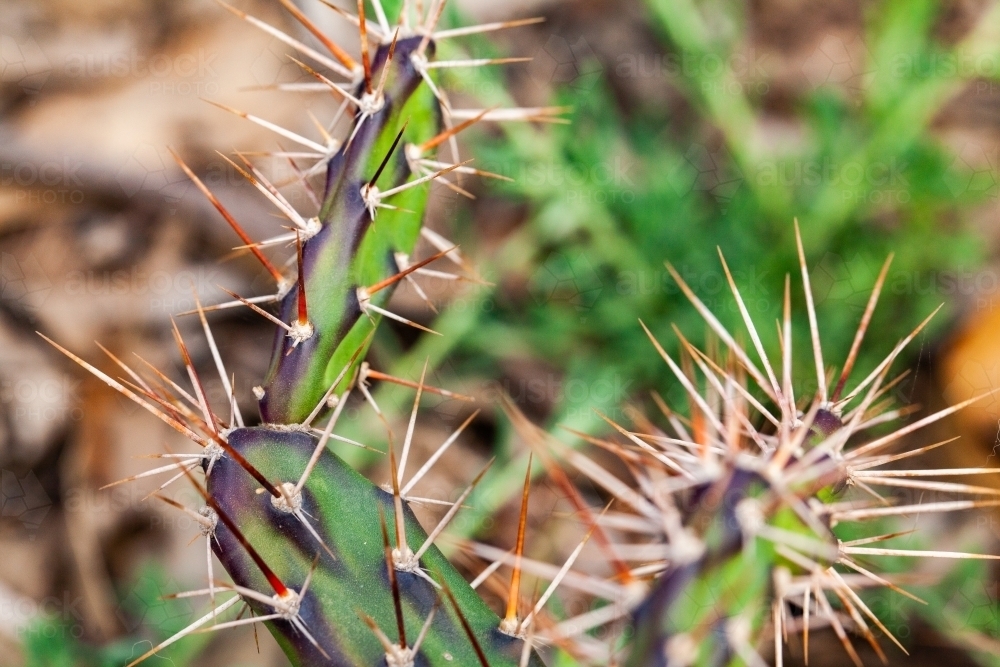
(759, 501)
(296, 528)
(741, 503)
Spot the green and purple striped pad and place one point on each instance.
(351, 577)
(351, 250)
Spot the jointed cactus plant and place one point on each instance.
(296, 528)
(734, 515)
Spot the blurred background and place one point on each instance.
(693, 125)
